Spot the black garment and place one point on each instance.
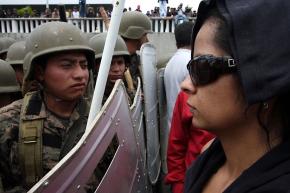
(260, 43)
(134, 68)
(270, 174)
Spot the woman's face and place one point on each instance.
(219, 104)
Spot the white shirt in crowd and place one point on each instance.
(175, 73)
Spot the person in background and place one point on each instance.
(162, 7)
(5, 43)
(75, 13)
(175, 70)
(68, 13)
(9, 89)
(119, 63)
(180, 17)
(138, 8)
(132, 20)
(239, 90)
(82, 5)
(55, 13)
(91, 12)
(15, 57)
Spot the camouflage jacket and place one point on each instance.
(55, 131)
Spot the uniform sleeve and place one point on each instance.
(177, 145)
(10, 173)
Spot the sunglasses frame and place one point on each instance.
(205, 69)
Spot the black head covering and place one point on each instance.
(260, 42)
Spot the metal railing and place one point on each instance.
(88, 25)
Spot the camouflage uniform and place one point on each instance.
(55, 131)
(55, 135)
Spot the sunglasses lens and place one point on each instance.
(200, 71)
(207, 68)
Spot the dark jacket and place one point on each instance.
(270, 174)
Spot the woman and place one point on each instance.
(239, 89)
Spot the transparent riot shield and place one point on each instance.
(138, 124)
(164, 130)
(75, 171)
(148, 73)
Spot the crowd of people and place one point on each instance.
(228, 120)
(92, 11)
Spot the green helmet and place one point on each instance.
(134, 25)
(97, 43)
(16, 53)
(53, 37)
(5, 43)
(8, 83)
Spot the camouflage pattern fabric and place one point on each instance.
(54, 131)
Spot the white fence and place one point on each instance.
(88, 25)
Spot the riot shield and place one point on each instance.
(75, 170)
(148, 73)
(164, 130)
(138, 125)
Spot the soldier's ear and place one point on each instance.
(39, 73)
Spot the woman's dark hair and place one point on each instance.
(182, 34)
(223, 29)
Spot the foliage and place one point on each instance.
(24, 10)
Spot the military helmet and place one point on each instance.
(5, 43)
(16, 53)
(134, 25)
(8, 83)
(53, 37)
(97, 43)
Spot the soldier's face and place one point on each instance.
(117, 68)
(66, 75)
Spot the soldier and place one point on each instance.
(133, 29)
(15, 56)
(119, 64)
(9, 89)
(47, 123)
(5, 43)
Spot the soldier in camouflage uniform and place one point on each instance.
(5, 43)
(133, 29)
(36, 132)
(9, 89)
(119, 64)
(15, 57)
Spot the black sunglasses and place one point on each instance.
(206, 69)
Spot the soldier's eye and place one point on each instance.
(84, 65)
(66, 65)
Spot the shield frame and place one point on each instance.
(148, 60)
(73, 172)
